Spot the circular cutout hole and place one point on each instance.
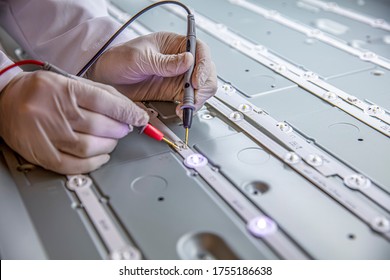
(351, 236)
(160, 198)
(360, 139)
(273, 86)
(377, 73)
(256, 187)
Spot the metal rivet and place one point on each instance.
(357, 181)
(206, 116)
(291, 158)
(262, 226)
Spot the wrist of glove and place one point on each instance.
(151, 68)
(65, 125)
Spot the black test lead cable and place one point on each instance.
(189, 95)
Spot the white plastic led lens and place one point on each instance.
(195, 160)
(236, 116)
(245, 108)
(374, 110)
(228, 89)
(330, 96)
(284, 127)
(261, 226)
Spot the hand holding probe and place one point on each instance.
(189, 95)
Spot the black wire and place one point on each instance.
(124, 26)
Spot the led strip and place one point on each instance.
(372, 115)
(313, 33)
(370, 216)
(335, 8)
(258, 224)
(117, 247)
(321, 161)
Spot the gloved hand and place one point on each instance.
(150, 68)
(64, 125)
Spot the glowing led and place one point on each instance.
(261, 226)
(195, 160)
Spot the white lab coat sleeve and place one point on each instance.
(7, 76)
(66, 33)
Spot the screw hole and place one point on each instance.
(351, 236)
(160, 198)
(246, 70)
(273, 86)
(360, 139)
(377, 73)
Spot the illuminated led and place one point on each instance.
(195, 160)
(236, 116)
(261, 226)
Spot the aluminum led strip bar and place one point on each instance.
(333, 7)
(370, 216)
(372, 115)
(318, 159)
(313, 33)
(117, 247)
(258, 224)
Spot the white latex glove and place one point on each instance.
(64, 125)
(151, 67)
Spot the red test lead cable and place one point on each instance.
(156, 134)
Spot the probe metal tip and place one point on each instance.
(170, 143)
(186, 137)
